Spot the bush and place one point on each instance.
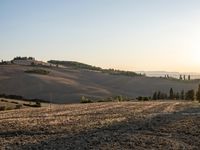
(85, 100)
(14, 102)
(3, 100)
(38, 104)
(145, 98)
(140, 98)
(9, 108)
(19, 106)
(190, 95)
(2, 108)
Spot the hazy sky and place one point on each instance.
(123, 34)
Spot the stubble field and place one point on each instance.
(114, 125)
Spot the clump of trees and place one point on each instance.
(198, 94)
(181, 77)
(143, 98)
(24, 58)
(158, 95)
(3, 62)
(188, 95)
(85, 100)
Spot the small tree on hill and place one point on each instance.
(177, 95)
(184, 77)
(198, 93)
(171, 94)
(189, 77)
(155, 96)
(159, 95)
(182, 95)
(180, 77)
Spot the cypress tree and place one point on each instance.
(184, 77)
(198, 94)
(171, 94)
(182, 95)
(188, 77)
(155, 96)
(180, 77)
(177, 95)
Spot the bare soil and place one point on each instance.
(119, 125)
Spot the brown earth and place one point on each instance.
(120, 125)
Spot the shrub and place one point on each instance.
(190, 95)
(14, 102)
(19, 106)
(2, 108)
(140, 98)
(38, 104)
(145, 98)
(9, 108)
(3, 100)
(85, 100)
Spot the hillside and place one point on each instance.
(125, 125)
(78, 65)
(67, 85)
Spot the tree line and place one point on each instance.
(78, 65)
(23, 58)
(181, 77)
(182, 95)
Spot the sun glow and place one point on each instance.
(196, 57)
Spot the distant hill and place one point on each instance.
(78, 65)
(68, 85)
(74, 64)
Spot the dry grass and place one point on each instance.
(124, 125)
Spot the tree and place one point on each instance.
(180, 77)
(155, 96)
(182, 95)
(198, 93)
(177, 95)
(190, 95)
(119, 98)
(171, 94)
(189, 77)
(159, 95)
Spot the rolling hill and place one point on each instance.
(68, 84)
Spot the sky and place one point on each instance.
(137, 35)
